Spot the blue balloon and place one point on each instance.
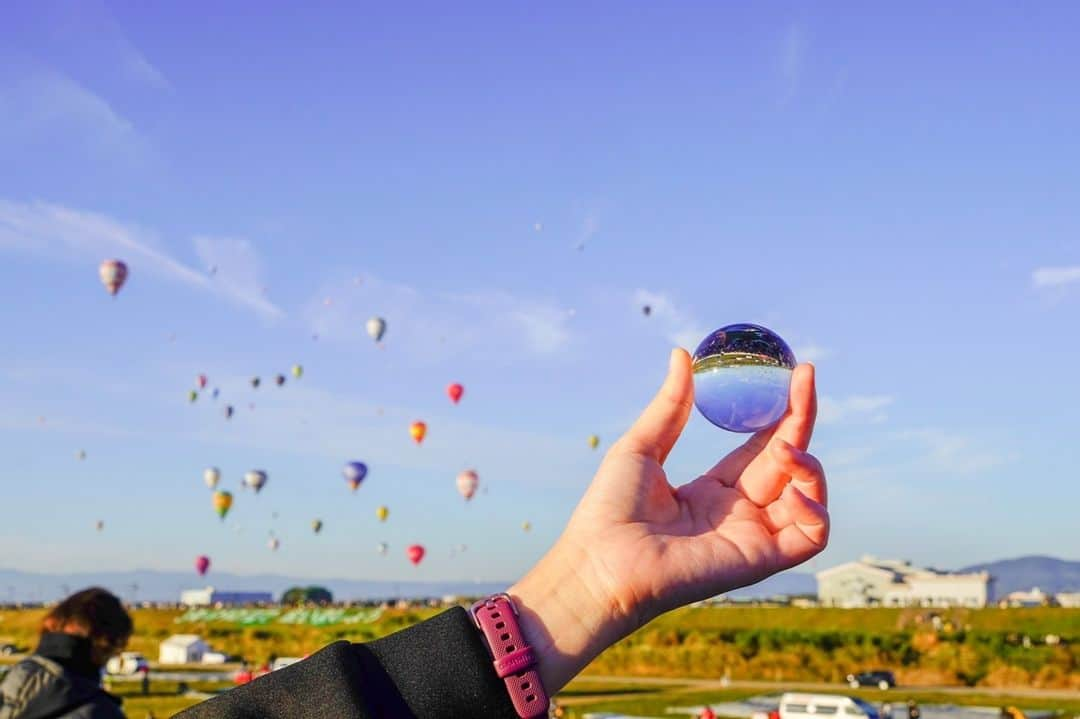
(354, 473)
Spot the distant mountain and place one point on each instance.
(784, 583)
(153, 585)
(162, 586)
(1047, 573)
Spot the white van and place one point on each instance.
(282, 662)
(127, 663)
(829, 706)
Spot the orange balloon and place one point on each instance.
(418, 430)
(222, 503)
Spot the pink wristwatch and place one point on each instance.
(515, 660)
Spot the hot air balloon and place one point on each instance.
(99, 525)
(256, 479)
(376, 327)
(192, 395)
(211, 475)
(526, 526)
(279, 379)
(646, 310)
(255, 382)
(113, 274)
(382, 547)
(415, 553)
(202, 563)
(215, 393)
(274, 543)
(316, 525)
(594, 441)
(354, 474)
(222, 503)
(228, 411)
(297, 371)
(81, 454)
(466, 483)
(382, 513)
(201, 381)
(418, 430)
(455, 390)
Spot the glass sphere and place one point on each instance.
(742, 375)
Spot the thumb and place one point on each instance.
(659, 426)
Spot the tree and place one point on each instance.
(305, 595)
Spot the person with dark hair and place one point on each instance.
(62, 678)
(636, 546)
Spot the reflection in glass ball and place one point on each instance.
(742, 374)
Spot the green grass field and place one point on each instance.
(981, 648)
(583, 696)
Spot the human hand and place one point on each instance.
(636, 546)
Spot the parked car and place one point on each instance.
(282, 662)
(127, 663)
(878, 678)
(813, 706)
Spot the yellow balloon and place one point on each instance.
(594, 441)
(382, 513)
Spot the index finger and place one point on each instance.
(797, 425)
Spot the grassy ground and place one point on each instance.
(644, 700)
(984, 647)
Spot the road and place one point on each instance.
(693, 685)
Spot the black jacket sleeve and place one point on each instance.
(438, 668)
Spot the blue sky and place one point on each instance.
(893, 190)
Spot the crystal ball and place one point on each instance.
(742, 374)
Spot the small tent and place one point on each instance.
(182, 649)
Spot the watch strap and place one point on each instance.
(514, 659)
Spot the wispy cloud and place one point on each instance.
(309, 420)
(951, 452)
(678, 325)
(45, 104)
(490, 321)
(236, 271)
(862, 408)
(811, 352)
(62, 233)
(791, 59)
(1045, 277)
(136, 66)
(845, 457)
(589, 227)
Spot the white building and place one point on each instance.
(182, 649)
(1035, 597)
(894, 583)
(211, 597)
(1069, 600)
